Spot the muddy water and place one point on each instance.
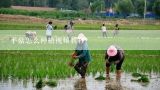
(75, 83)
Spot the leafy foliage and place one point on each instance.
(156, 7)
(5, 3)
(124, 7)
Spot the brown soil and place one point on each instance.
(30, 19)
(19, 18)
(33, 8)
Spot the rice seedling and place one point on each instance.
(101, 77)
(136, 75)
(39, 64)
(143, 79)
(39, 84)
(51, 83)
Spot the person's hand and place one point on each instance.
(116, 62)
(75, 57)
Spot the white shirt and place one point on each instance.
(103, 28)
(49, 29)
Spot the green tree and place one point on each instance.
(79, 4)
(156, 7)
(53, 3)
(124, 7)
(140, 7)
(97, 6)
(5, 3)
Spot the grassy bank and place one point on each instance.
(29, 64)
(41, 26)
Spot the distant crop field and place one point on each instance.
(21, 22)
(33, 8)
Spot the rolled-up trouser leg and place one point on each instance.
(81, 68)
(84, 69)
(118, 69)
(107, 70)
(77, 67)
(119, 65)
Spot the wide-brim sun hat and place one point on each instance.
(82, 37)
(112, 51)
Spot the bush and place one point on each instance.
(156, 8)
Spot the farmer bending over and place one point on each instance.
(116, 56)
(82, 53)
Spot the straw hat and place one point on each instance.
(112, 51)
(82, 37)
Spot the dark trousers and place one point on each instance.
(118, 66)
(81, 68)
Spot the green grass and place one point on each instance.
(38, 64)
(41, 26)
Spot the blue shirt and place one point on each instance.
(83, 52)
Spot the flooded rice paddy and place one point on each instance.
(76, 83)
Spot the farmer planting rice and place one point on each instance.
(69, 30)
(49, 30)
(114, 55)
(104, 31)
(31, 35)
(82, 53)
(116, 30)
(71, 24)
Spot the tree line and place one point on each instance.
(123, 7)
